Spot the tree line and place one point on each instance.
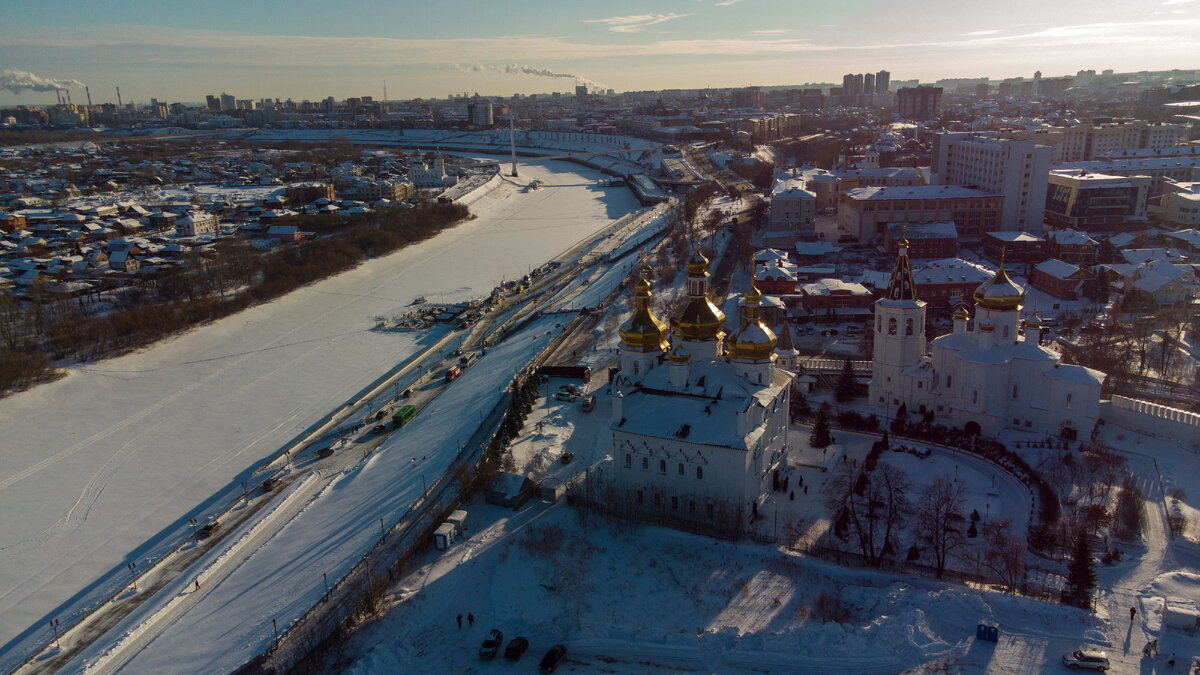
(49, 327)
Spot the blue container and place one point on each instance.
(981, 632)
(993, 633)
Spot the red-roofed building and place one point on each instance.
(1060, 279)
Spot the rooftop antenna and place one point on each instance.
(89, 94)
(119, 104)
(512, 140)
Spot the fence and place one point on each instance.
(1152, 419)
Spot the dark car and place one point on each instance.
(491, 644)
(209, 528)
(516, 648)
(378, 429)
(552, 658)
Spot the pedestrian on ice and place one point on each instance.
(460, 620)
(470, 619)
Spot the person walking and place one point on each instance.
(460, 620)
(470, 619)
(1132, 613)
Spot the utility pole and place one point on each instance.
(133, 570)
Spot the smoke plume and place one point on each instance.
(18, 81)
(519, 69)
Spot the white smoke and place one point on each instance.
(18, 81)
(520, 69)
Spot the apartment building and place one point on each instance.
(1016, 169)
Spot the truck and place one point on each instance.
(452, 373)
(467, 359)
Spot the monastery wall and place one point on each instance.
(1152, 419)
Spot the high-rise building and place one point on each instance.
(581, 91)
(1017, 169)
(918, 103)
(228, 102)
(883, 80)
(480, 113)
(214, 103)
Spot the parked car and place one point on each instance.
(209, 528)
(565, 396)
(567, 457)
(552, 658)
(589, 403)
(270, 483)
(1086, 658)
(516, 648)
(491, 644)
(379, 428)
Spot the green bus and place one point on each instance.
(404, 415)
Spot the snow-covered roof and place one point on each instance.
(1057, 268)
(1070, 238)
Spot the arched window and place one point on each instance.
(645, 464)
(628, 460)
(635, 367)
(760, 378)
(908, 327)
(892, 326)
(700, 473)
(662, 466)
(878, 324)
(1006, 331)
(681, 468)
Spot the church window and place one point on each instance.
(941, 408)
(657, 499)
(710, 510)
(635, 367)
(1028, 423)
(920, 385)
(760, 378)
(1016, 421)
(700, 473)
(674, 503)
(892, 326)
(878, 324)
(1015, 391)
(948, 381)
(908, 327)
(889, 379)
(1068, 400)
(628, 460)
(662, 466)
(645, 463)
(975, 396)
(681, 468)
(881, 399)
(639, 496)
(1006, 331)
(692, 507)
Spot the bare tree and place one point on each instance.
(939, 519)
(1003, 555)
(871, 506)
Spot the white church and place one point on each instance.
(699, 422)
(984, 378)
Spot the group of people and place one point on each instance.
(1151, 648)
(470, 619)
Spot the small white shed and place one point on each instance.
(443, 536)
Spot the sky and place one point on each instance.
(310, 49)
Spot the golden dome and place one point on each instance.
(754, 341)
(698, 319)
(680, 355)
(960, 313)
(643, 332)
(999, 293)
(697, 264)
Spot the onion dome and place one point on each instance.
(698, 319)
(1034, 321)
(960, 313)
(643, 332)
(999, 293)
(987, 326)
(754, 342)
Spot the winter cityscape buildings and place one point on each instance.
(802, 363)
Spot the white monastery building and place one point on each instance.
(697, 434)
(982, 379)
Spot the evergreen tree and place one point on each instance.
(1081, 575)
(821, 437)
(847, 385)
(799, 406)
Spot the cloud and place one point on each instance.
(636, 22)
(771, 31)
(18, 81)
(1176, 2)
(726, 3)
(981, 32)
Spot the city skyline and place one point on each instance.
(181, 53)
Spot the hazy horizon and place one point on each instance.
(312, 50)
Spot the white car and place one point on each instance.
(1086, 658)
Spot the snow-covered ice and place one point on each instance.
(107, 465)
